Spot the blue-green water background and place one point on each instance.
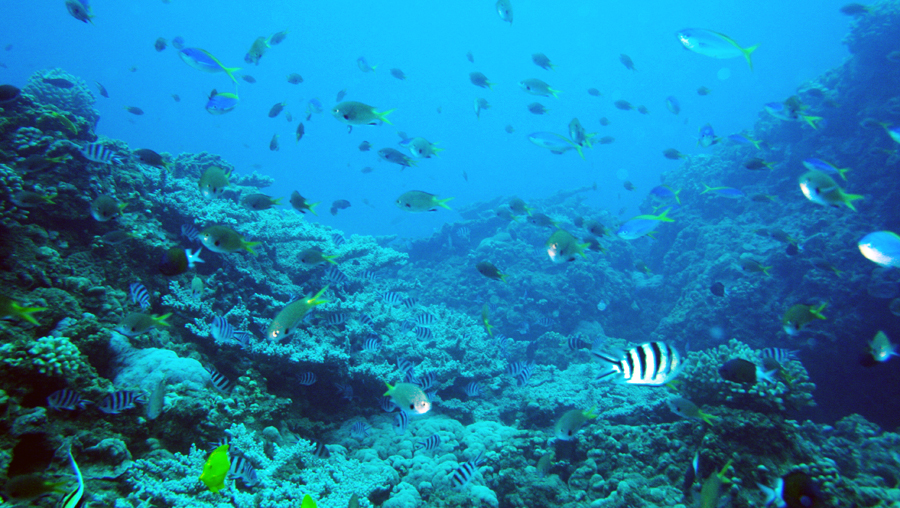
(429, 41)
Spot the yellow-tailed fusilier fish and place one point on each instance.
(420, 201)
(288, 318)
(201, 60)
(821, 189)
(714, 44)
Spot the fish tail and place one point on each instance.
(589, 413)
(330, 259)
(248, 246)
(443, 203)
(849, 199)
(706, 188)
(315, 300)
(817, 311)
(813, 121)
(554, 93)
(765, 270)
(383, 116)
(578, 149)
(49, 199)
(664, 217)
(705, 417)
(677, 198)
(276, 201)
(503, 276)
(842, 171)
(756, 143)
(312, 208)
(389, 391)
(230, 71)
(581, 247)
(26, 312)
(161, 320)
(747, 51)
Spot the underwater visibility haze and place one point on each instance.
(500, 253)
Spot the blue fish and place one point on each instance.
(713, 44)
(664, 191)
(672, 105)
(641, 225)
(727, 192)
(744, 140)
(881, 247)
(825, 167)
(364, 65)
(360, 430)
(307, 379)
(556, 143)
(221, 103)
(707, 136)
(473, 389)
(202, 61)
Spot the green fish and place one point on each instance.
(313, 257)
(409, 397)
(224, 240)
(258, 202)
(562, 247)
(356, 113)
(28, 199)
(301, 204)
(801, 315)
(419, 201)
(105, 208)
(9, 308)
(213, 182)
(137, 323)
(490, 271)
(288, 318)
(571, 421)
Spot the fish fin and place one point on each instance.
(706, 188)
(817, 311)
(230, 71)
(580, 152)
(389, 391)
(383, 116)
(706, 417)
(589, 413)
(277, 201)
(443, 203)
(813, 121)
(747, 51)
(161, 320)
(311, 207)
(849, 199)
(25, 312)
(765, 270)
(330, 259)
(248, 246)
(842, 171)
(769, 493)
(554, 92)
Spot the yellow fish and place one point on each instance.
(216, 469)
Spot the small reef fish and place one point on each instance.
(221, 103)
(287, 320)
(218, 380)
(360, 430)
(707, 136)
(257, 50)
(504, 10)
(537, 108)
(295, 79)
(401, 422)
(480, 80)
(490, 271)
(466, 471)
(157, 401)
(364, 65)
(356, 113)
(104, 208)
(122, 400)
(176, 261)
(101, 89)
(825, 167)
(314, 257)
(741, 139)
(213, 182)
(420, 201)
(300, 203)
(430, 443)
(821, 189)
(259, 202)
(542, 61)
(80, 10)
(98, 152)
(650, 364)
(714, 44)
(224, 240)
(743, 371)
(273, 144)
(642, 225)
(881, 247)
(396, 157)
(672, 105)
(725, 192)
(537, 87)
(397, 73)
(215, 470)
(563, 247)
(687, 409)
(793, 490)
(301, 130)
(673, 154)
(422, 148)
(800, 315)
(881, 349)
(408, 397)
(627, 62)
(66, 400)
(139, 295)
(160, 44)
(754, 266)
(556, 143)
(203, 61)
(665, 192)
(571, 421)
(711, 489)
(150, 158)
(136, 323)
(28, 199)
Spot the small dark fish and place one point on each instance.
(367, 169)
(607, 140)
(756, 164)
(219, 382)
(176, 98)
(623, 105)
(102, 90)
(855, 9)
(604, 121)
(703, 91)
(150, 158)
(300, 131)
(626, 61)
(116, 402)
(134, 110)
(396, 157)
(509, 130)
(717, 289)
(58, 82)
(397, 73)
(276, 109)
(139, 295)
(116, 237)
(160, 44)
(178, 42)
(671, 153)
(537, 108)
(341, 95)
(340, 204)
(294, 78)
(66, 399)
(594, 92)
(365, 146)
(248, 78)
(273, 144)
(742, 371)
(470, 57)
(643, 110)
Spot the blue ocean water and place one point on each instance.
(429, 42)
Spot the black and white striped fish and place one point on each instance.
(650, 364)
(372, 343)
(242, 468)
(66, 400)
(411, 302)
(404, 365)
(190, 232)
(219, 381)
(545, 321)
(360, 430)
(366, 320)
(221, 330)
(139, 295)
(514, 368)
(463, 233)
(427, 380)
(98, 152)
(409, 377)
(575, 343)
(387, 404)
(243, 338)
(122, 400)
(321, 450)
(75, 497)
(338, 240)
(337, 319)
(466, 471)
(430, 443)
(345, 391)
(334, 275)
(367, 275)
(307, 379)
(406, 325)
(392, 297)
(473, 389)
(401, 422)
(425, 319)
(524, 375)
(423, 333)
(780, 355)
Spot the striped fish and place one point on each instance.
(515, 368)
(392, 297)
(780, 355)
(463, 233)
(525, 374)
(243, 338)
(406, 325)
(139, 295)
(411, 302)
(337, 319)
(122, 400)
(466, 471)
(98, 152)
(219, 382)
(372, 343)
(75, 498)
(387, 404)
(190, 232)
(344, 390)
(368, 275)
(545, 322)
(401, 422)
(321, 450)
(425, 319)
(473, 389)
(523, 328)
(404, 365)
(430, 443)
(66, 399)
(334, 275)
(575, 343)
(409, 377)
(427, 380)
(423, 333)
(307, 379)
(650, 364)
(338, 240)
(360, 430)
(242, 468)
(221, 330)
(366, 320)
